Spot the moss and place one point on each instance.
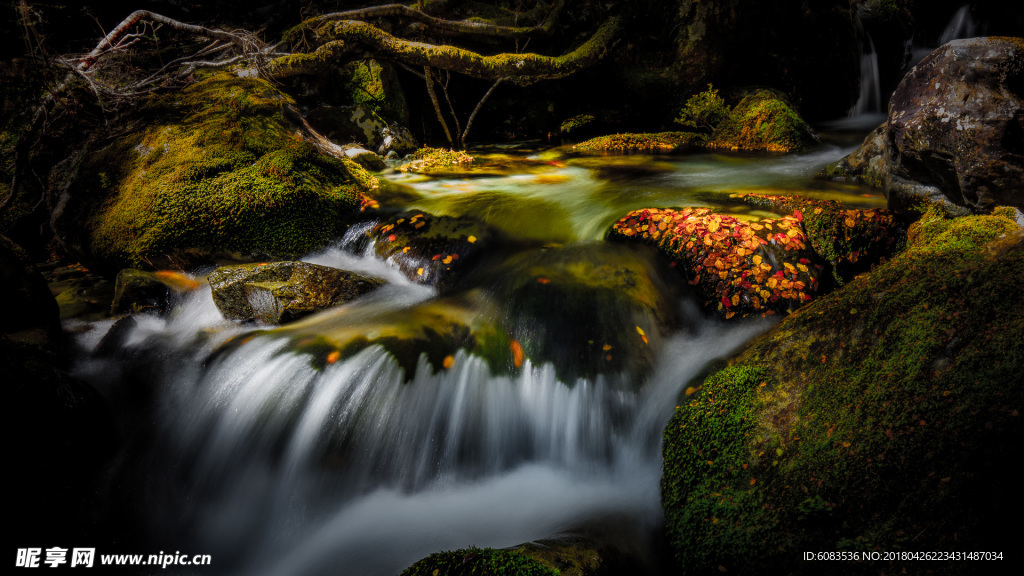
(478, 562)
(427, 160)
(222, 169)
(888, 413)
(763, 120)
(664, 142)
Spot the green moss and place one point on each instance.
(426, 160)
(222, 169)
(478, 562)
(889, 411)
(639, 143)
(763, 120)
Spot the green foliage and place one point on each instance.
(576, 123)
(478, 562)
(703, 111)
(890, 409)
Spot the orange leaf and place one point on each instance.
(517, 354)
(543, 280)
(333, 357)
(449, 361)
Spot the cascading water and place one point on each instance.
(278, 463)
(870, 99)
(960, 26)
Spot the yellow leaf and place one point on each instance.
(849, 223)
(713, 226)
(606, 347)
(419, 271)
(640, 331)
(846, 444)
(802, 267)
(735, 299)
(772, 283)
(471, 239)
(757, 259)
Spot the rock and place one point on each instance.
(361, 124)
(955, 134)
(214, 169)
(365, 158)
(764, 120)
(736, 267)
(657, 143)
(397, 138)
(866, 164)
(587, 309)
(138, 291)
(279, 292)
(430, 249)
(884, 411)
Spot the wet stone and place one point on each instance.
(280, 292)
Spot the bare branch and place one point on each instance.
(479, 105)
(433, 98)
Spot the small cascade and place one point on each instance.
(960, 26)
(870, 100)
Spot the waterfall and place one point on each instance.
(276, 465)
(960, 26)
(870, 99)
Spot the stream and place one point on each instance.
(277, 465)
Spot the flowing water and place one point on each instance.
(274, 463)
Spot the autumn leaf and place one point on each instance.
(517, 353)
(333, 357)
(757, 260)
(471, 239)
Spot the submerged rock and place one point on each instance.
(280, 292)
(955, 132)
(139, 291)
(879, 417)
(432, 250)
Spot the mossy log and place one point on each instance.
(335, 40)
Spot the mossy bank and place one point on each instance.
(880, 418)
(226, 166)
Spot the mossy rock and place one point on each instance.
(435, 330)
(882, 417)
(764, 120)
(436, 161)
(478, 562)
(588, 309)
(220, 167)
(655, 143)
(280, 292)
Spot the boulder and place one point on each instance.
(878, 417)
(955, 132)
(139, 291)
(365, 158)
(224, 166)
(279, 292)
